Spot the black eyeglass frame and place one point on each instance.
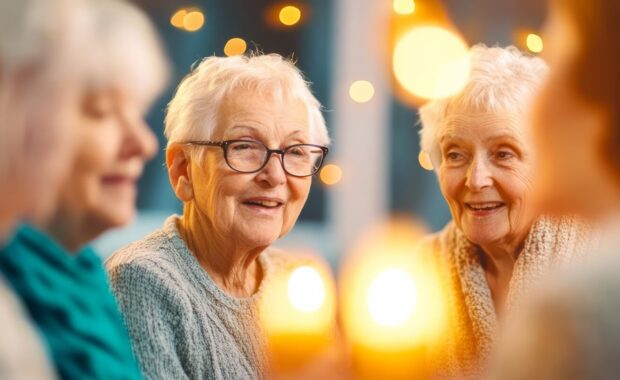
(224, 145)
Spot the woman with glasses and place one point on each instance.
(245, 135)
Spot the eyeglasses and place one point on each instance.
(248, 156)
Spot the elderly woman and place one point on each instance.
(38, 108)
(495, 245)
(61, 283)
(571, 329)
(245, 135)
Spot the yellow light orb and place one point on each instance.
(306, 290)
(235, 46)
(289, 15)
(425, 160)
(361, 91)
(177, 18)
(404, 7)
(431, 62)
(534, 43)
(331, 174)
(392, 297)
(193, 21)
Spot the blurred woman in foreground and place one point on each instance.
(571, 329)
(39, 103)
(60, 281)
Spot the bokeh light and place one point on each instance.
(193, 20)
(177, 18)
(392, 297)
(425, 160)
(431, 62)
(404, 7)
(289, 15)
(305, 289)
(534, 43)
(361, 91)
(235, 46)
(331, 174)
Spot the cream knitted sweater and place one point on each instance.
(182, 325)
(473, 323)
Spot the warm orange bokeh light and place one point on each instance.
(403, 7)
(289, 15)
(431, 62)
(193, 21)
(534, 43)
(331, 174)
(235, 46)
(177, 19)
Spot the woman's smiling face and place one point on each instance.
(486, 177)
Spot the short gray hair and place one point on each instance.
(192, 112)
(502, 80)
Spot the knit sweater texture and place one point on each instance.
(182, 325)
(472, 319)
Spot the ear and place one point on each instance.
(179, 172)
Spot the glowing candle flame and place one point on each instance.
(306, 290)
(392, 297)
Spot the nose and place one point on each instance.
(478, 175)
(138, 140)
(273, 173)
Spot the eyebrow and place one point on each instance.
(254, 129)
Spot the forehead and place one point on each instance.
(263, 111)
(483, 128)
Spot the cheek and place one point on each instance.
(450, 183)
(299, 189)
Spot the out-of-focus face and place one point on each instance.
(113, 144)
(41, 119)
(486, 178)
(567, 130)
(254, 209)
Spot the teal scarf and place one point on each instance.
(68, 299)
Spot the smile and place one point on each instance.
(266, 204)
(484, 208)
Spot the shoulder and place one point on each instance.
(433, 246)
(156, 253)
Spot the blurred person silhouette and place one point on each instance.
(496, 245)
(39, 106)
(570, 329)
(59, 279)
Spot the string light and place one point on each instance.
(361, 91)
(534, 43)
(235, 46)
(289, 15)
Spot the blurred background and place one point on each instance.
(347, 49)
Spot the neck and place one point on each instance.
(498, 261)
(71, 232)
(232, 266)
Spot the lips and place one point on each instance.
(264, 203)
(482, 209)
(117, 179)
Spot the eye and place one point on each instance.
(244, 145)
(453, 156)
(505, 154)
(296, 151)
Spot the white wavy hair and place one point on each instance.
(193, 111)
(502, 81)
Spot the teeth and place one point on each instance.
(484, 206)
(265, 203)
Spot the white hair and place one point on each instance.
(502, 81)
(193, 111)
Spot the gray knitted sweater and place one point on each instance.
(182, 325)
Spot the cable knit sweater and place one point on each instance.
(182, 325)
(473, 323)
